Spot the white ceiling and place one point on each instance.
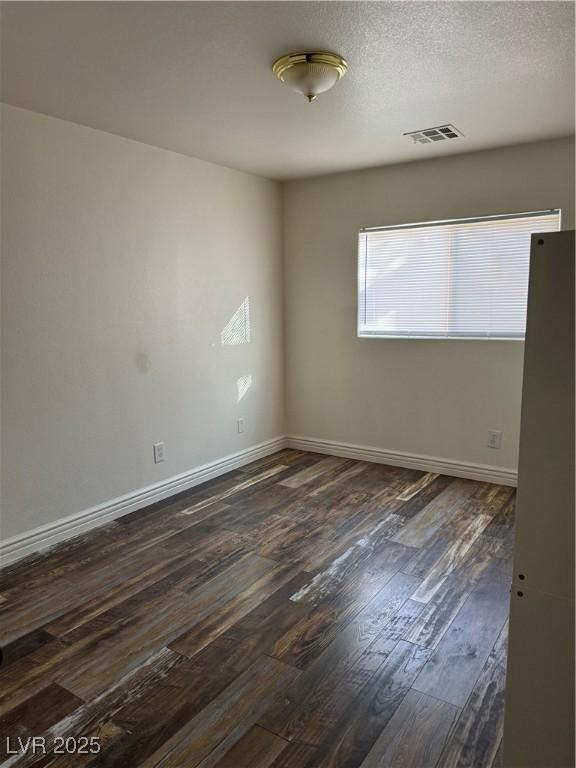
(195, 76)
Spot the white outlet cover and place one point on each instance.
(159, 452)
(494, 438)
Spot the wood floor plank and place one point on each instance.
(235, 489)
(254, 635)
(368, 517)
(333, 481)
(305, 546)
(258, 748)
(118, 640)
(98, 657)
(166, 518)
(26, 612)
(452, 670)
(319, 469)
(24, 645)
(462, 521)
(331, 700)
(295, 754)
(493, 497)
(475, 740)
(93, 717)
(437, 615)
(337, 484)
(383, 480)
(23, 679)
(202, 633)
(412, 506)
(451, 557)
(415, 735)
(212, 547)
(160, 568)
(235, 711)
(276, 536)
(161, 706)
(158, 701)
(359, 727)
(412, 490)
(172, 516)
(287, 456)
(269, 504)
(263, 504)
(330, 510)
(291, 588)
(424, 524)
(41, 567)
(502, 522)
(36, 715)
(336, 601)
(194, 494)
(373, 634)
(357, 561)
(108, 734)
(163, 709)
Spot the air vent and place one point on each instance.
(429, 135)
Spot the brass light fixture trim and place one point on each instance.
(310, 73)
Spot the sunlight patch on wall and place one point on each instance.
(237, 329)
(243, 384)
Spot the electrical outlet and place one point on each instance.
(240, 426)
(159, 453)
(494, 438)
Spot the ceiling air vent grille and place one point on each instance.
(429, 135)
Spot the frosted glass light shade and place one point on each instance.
(310, 73)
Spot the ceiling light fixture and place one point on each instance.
(310, 73)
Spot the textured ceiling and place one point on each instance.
(195, 77)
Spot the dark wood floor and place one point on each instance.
(303, 612)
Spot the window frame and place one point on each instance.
(439, 222)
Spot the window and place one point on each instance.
(466, 278)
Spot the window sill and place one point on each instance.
(438, 338)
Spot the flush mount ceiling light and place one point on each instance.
(310, 73)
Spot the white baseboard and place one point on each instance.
(483, 472)
(45, 536)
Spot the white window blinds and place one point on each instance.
(466, 278)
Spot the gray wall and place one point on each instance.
(436, 398)
(122, 266)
